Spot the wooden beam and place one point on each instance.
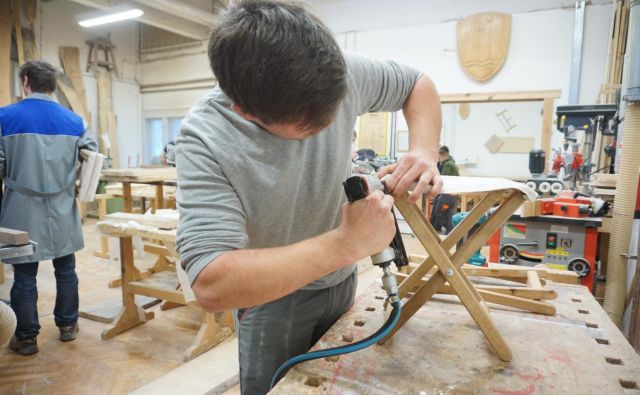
(17, 17)
(499, 96)
(155, 220)
(70, 61)
(140, 288)
(519, 291)
(5, 52)
(13, 237)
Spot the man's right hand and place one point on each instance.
(367, 225)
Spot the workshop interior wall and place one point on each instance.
(419, 33)
(56, 26)
(539, 58)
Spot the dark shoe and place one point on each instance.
(68, 333)
(24, 347)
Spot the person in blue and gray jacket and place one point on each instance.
(39, 158)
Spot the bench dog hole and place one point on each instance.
(591, 325)
(602, 341)
(629, 384)
(333, 358)
(358, 323)
(314, 381)
(614, 361)
(347, 338)
(583, 311)
(370, 309)
(576, 300)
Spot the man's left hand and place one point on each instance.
(413, 167)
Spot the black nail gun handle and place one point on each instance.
(357, 188)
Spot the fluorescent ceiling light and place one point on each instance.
(118, 16)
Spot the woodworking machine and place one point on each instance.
(556, 242)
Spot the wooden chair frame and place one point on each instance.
(450, 265)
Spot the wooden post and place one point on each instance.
(5, 52)
(17, 17)
(131, 314)
(126, 197)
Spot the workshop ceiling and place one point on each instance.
(189, 18)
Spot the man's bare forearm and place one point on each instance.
(245, 278)
(423, 113)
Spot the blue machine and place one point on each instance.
(477, 259)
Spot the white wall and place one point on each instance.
(56, 26)
(422, 34)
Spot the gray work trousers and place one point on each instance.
(270, 334)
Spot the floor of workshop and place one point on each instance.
(146, 359)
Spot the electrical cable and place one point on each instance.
(393, 319)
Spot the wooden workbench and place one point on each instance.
(440, 350)
(163, 282)
(152, 176)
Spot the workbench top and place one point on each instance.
(441, 351)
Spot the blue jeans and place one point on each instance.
(24, 296)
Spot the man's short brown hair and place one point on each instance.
(41, 76)
(278, 63)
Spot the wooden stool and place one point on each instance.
(450, 266)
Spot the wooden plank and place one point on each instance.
(133, 174)
(17, 17)
(31, 10)
(519, 291)
(70, 61)
(114, 151)
(141, 288)
(5, 52)
(499, 96)
(105, 107)
(13, 237)
(163, 221)
(29, 41)
(72, 97)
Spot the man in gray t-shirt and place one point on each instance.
(263, 224)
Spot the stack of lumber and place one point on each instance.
(142, 174)
(90, 175)
(141, 190)
(162, 219)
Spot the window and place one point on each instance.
(158, 132)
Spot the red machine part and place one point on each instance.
(573, 210)
(590, 245)
(558, 163)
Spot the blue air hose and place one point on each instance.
(349, 348)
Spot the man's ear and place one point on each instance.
(242, 113)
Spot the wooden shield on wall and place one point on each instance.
(483, 43)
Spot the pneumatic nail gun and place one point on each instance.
(359, 187)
